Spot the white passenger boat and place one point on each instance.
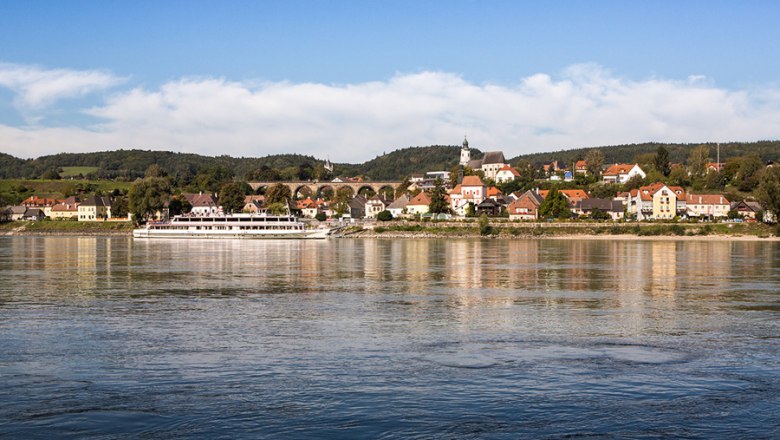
(230, 226)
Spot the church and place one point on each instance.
(490, 164)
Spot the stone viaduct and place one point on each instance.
(316, 188)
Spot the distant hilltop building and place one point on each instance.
(465, 153)
(490, 164)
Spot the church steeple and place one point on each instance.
(465, 153)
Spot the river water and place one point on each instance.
(456, 338)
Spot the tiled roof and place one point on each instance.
(421, 199)
(493, 157)
(706, 199)
(618, 168)
(472, 181)
(510, 169)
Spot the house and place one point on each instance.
(657, 202)
(470, 190)
(66, 210)
(490, 164)
(308, 207)
(747, 208)
(254, 204)
(568, 176)
(40, 202)
(398, 207)
(572, 195)
(375, 205)
(419, 204)
(506, 174)
(614, 208)
(94, 208)
(581, 167)
(204, 204)
(34, 214)
(553, 167)
(490, 207)
(525, 207)
(493, 193)
(714, 166)
(622, 173)
(16, 213)
(357, 207)
(707, 205)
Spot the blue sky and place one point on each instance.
(79, 75)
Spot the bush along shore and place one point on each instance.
(54, 227)
(563, 229)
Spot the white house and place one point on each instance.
(506, 174)
(470, 190)
(622, 173)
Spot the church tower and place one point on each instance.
(465, 153)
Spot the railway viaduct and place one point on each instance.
(316, 188)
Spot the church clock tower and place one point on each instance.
(465, 153)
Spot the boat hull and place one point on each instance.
(249, 235)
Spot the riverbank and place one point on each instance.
(51, 227)
(592, 231)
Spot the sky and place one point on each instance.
(351, 80)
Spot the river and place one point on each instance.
(376, 338)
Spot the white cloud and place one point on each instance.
(36, 87)
(584, 106)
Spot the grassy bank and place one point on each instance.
(566, 229)
(12, 190)
(53, 227)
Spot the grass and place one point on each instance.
(16, 190)
(68, 226)
(75, 171)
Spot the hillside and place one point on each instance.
(678, 153)
(130, 164)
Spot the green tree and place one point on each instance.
(154, 170)
(595, 161)
(438, 198)
(384, 216)
(747, 178)
(178, 205)
(119, 207)
(278, 193)
(678, 177)
(231, 197)
(278, 208)
(484, 225)
(341, 200)
(321, 217)
(555, 205)
(470, 211)
(51, 174)
(661, 161)
(148, 196)
(768, 191)
(697, 161)
(633, 183)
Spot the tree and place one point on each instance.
(594, 160)
(231, 197)
(341, 200)
(714, 180)
(697, 161)
(555, 205)
(119, 207)
(768, 191)
(747, 178)
(154, 170)
(484, 225)
(384, 216)
(278, 193)
(678, 177)
(179, 205)
(321, 217)
(661, 161)
(633, 183)
(278, 208)
(148, 196)
(438, 198)
(51, 174)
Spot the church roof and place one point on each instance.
(493, 157)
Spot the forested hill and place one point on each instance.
(130, 164)
(678, 153)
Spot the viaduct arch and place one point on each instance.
(317, 187)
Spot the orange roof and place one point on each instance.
(39, 201)
(420, 199)
(493, 191)
(706, 199)
(472, 181)
(573, 195)
(580, 165)
(510, 169)
(456, 190)
(618, 168)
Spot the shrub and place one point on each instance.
(321, 216)
(484, 225)
(384, 216)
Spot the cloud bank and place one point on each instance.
(584, 106)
